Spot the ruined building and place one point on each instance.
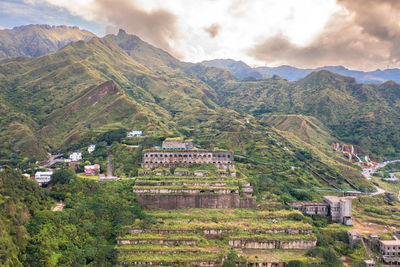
(213, 190)
(337, 208)
(179, 184)
(184, 153)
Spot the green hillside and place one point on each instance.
(360, 114)
(56, 101)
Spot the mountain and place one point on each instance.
(242, 70)
(239, 68)
(60, 101)
(38, 40)
(366, 115)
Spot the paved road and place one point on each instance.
(367, 173)
(109, 165)
(52, 160)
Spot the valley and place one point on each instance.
(116, 153)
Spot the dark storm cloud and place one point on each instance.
(157, 26)
(212, 30)
(365, 35)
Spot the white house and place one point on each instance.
(43, 177)
(91, 148)
(76, 156)
(135, 133)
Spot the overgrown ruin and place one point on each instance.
(204, 208)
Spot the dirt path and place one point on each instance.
(59, 206)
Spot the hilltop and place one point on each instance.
(242, 70)
(38, 40)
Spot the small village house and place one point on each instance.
(91, 170)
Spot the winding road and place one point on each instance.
(367, 173)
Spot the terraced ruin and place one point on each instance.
(204, 237)
(179, 192)
(202, 215)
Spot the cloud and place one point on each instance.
(213, 30)
(364, 34)
(157, 26)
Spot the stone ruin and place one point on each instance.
(168, 184)
(337, 208)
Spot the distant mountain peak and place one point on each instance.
(121, 32)
(38, 40)
(242, 70)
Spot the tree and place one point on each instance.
(62, 176)
(296, 263)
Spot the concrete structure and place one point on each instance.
(92, 170)
(369, 263)
(390, 251)
(91, 148)
(76, 156)
(374, 237)
(181, 172)
(201, 173)
(27, 175)
(337, 208)
(43, 177)
(311, 208)
(172, 158)
(176, 144)
(135, 133)
(340, 209)
(354, 237)
(204, 200)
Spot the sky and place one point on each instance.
(358, 34)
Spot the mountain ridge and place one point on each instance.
(242, 70)
(38, 40)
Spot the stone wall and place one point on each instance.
(186, 191)
(291, 244)
(194, 263)
(266, 264)
(156, 242)
(206, 201)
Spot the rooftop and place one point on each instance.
(390, 242)
(353, 232)
(308, 203)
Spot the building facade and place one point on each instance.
(91, 148)
(311, 208)
(43, 178)
(91, 170)
(76, 156)
(337, 208)
(172, 158)
(135, 133)
(340, 209)
(177, 145)
(354, 237)
(390, 251)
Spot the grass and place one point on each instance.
(279, 255)
(184, 187)
(222, 214)
(170, 258)
(83, 176)
(272, 237)
(243, 225)
(390, 186)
